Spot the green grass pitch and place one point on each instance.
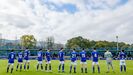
(55, 63)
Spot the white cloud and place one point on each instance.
(18, 17)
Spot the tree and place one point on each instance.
(101, 44)
(50, 42)
(78, 42)
(28, 41)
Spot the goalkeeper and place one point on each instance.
(108, 56)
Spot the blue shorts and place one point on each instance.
(11, 62)
(20, 61)
(83, 60)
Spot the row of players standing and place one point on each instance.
(61, 56)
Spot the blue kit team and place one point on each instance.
(61, 56)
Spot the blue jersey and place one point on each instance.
(61, 56)
(122, 56)
(94, 56)
(20, 57)
(11, 57)
(73, 56)
(40, 55)
(83, 56)
(26, 54)
(48, 56)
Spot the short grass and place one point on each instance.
(55, 63)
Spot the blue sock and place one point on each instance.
(41, 66)
(71, 68)
(20, 67)
(25, 66)
(63, 66)
(49, 66)
(74, 69)
(121, 68)
(28, 67)
(11, 70)
(37, 67)
(59, 67)
(98, 69)
(8, 68)
(85, 70)
(46, 67)
(125, 68)
(93, 68)
(17, 67)
(82, 70)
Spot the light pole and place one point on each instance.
(0, 40)
(117, 43)
(16, 43)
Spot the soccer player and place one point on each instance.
(20, 60)
(48, 61)
(108, 55)
(61, 58)
(40, 59)
(122, 57)
(83, 61)
(95, 60)
(73, 61)
(26, 57)
(11, 58)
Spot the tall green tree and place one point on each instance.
(78, 42)
(28, 41)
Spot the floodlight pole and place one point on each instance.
(0, 41)
(117, 42)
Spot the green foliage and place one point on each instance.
(80, 42)
(28, 41)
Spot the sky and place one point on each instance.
(64, 19)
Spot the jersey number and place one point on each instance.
(95, 55)
(73, 55)
(12, 56)
(20, 56)
(83, 55)
(39, 55)
(60, 54)
(25, 54)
